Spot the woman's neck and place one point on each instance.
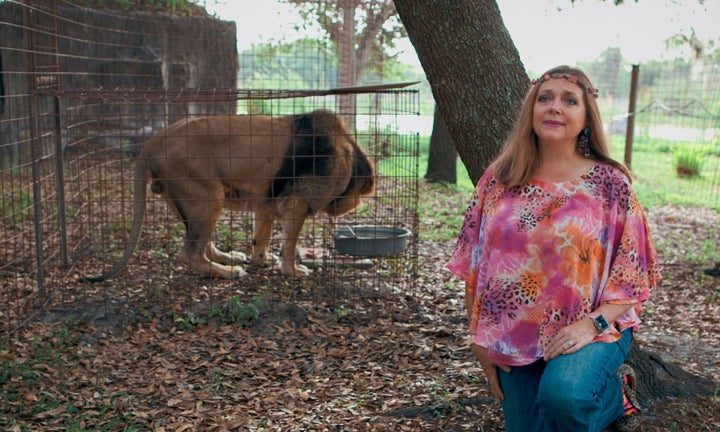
(558, 168)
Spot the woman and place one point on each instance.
(557, 259)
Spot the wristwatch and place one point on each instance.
(600, 322)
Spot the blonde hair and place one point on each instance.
(520, 154)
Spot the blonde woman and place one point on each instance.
(557, 259)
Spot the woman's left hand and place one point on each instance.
(571, 338)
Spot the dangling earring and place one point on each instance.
(583, 144)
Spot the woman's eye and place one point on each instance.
(543, 98)
(572, 101)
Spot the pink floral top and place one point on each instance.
(541, 256)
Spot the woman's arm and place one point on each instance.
(580, 333)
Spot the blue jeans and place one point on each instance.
(575, 393)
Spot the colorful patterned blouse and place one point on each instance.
(543, 255)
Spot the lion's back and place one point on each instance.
(263, 158)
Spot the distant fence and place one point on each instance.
(676, 131)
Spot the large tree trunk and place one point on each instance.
(658, 380)
(474, 69)
(442, 160)
(478, 82)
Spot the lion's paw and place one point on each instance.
(237, 272)
(297, 270)
(230, 257)
(265, 260)
(302, 270)
(236, 256)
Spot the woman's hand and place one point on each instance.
(571, 338)
(490, 368)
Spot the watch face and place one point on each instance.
(601, 323)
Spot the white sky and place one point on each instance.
(546, 32)
(546, 36)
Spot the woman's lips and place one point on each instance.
(553, 123)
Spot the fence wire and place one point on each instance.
(675, 143)
(83, 92)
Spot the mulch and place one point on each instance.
(388, 360)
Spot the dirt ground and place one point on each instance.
(386, 360)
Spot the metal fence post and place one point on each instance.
(35, 152)
(60, 174)
(631, 116)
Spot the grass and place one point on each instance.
(688, 160)
(655, 182)
(654, 168)
(654, 165)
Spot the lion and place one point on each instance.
(280, 168)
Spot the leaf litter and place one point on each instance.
(391, 362)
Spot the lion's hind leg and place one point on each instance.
(207, 262)
(199, 217)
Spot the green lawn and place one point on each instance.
(655, 178)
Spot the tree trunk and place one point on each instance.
(658, 380)
(478, 83)
(474, 70)
(442, 160)
(347, 62)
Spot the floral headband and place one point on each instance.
(572, 78)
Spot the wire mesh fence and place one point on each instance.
(86, 90)
(83, 90)
(674, 147)
(682, 122)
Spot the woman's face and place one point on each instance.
(559, 112)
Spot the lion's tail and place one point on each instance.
(140, 195)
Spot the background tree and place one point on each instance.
(612, 58)
(474, 70)
(442, 159)
(360, 30)
(478, 82)
(699, 48)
